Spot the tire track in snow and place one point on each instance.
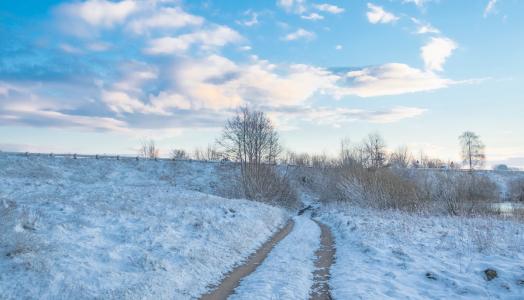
(288, 271)
(232, 280)
(325, 257)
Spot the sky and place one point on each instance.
(100, 76)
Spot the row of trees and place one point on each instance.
(252, 140)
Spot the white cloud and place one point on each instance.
(252, 21)
(418, 3)
(206, 39)
(390, 79)
(489, 7)
(121, 102)
(338, 47)
(312, 17)
(100, 12)
(436, 52)
(300, 34)
(16, 114)
(134, 76)
(377, 14)
(165, 18)
(424, 28)
(70, 49)
(293, 6)
(216, 82)
(329, 8)
(336, 117)
(99, 46)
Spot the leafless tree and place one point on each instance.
(209, 153)
(298, 159)
(347, 153)
(149, 150)
(179, 154)
(251, 139)
(375, 150)
(401, 158)
(472, 150)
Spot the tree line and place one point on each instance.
(251, 139)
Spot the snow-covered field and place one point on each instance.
(73, 229)
(394, 255)
(113, 229)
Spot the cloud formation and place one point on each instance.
(181, 74)
(436, 52)
(100, 12)
(489, 8)
(390, 79)
(329, 8)
(376, 14)
(207, 39)
(300, 33)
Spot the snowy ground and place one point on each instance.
(75, 229)
(392, 255)
(287, 273)
(90, 228)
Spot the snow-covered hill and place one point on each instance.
(89, 228)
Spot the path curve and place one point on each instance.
(233, 278)
(325, 257)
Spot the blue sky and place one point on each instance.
(98, 76)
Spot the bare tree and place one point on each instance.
(179, 154)
(212, 153)
(251, 139)
(401, 158)
(149, 150)
(209, 153)
(347, 153)
(472, 150)
(375, 150)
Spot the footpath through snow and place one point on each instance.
(287, 272)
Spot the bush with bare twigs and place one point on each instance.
(149, 150)
(516, 190)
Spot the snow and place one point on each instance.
(109, 229)
(394, 255)
(287, 272)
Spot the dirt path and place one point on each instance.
(325, 257)
(232, 280)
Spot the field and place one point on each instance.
(128, 229)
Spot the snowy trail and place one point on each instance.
(288, 271)
(325, 257)
(232, 280)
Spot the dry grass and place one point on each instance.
(17, 230)
(453, 193)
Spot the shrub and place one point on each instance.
(378, 188)
(460, 193)
(516, 190)
(270, 186)
(454, 193)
